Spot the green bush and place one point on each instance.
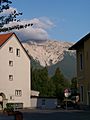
(9, 107)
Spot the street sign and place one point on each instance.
(66, 91)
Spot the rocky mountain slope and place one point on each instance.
(51, 53)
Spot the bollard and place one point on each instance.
(18, 115)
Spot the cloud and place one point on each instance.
(43, 22)
(32, 33)
(8, 11)
(39, 30)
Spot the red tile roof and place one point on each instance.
(4, 38)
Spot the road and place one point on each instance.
(57, 115)
(51, 115)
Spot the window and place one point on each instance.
(81, 61)
(18, 93)
(87, 55)
(10, 97)
(10, 77)
(18, 52)
(11, 49)
(82, 93)
(10, 63)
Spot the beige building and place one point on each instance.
(82, 48)
(15, 82)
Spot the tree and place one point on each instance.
(6, 19)
(74, 86)
(39, 80)
(48, 86)
(60, 84)
(58, 77)
(42, 83)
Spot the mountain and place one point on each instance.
(52, 54)
(67, 66)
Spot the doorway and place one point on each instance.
(2, 98)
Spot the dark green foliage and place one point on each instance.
(9, 107)
(67, 66)
(41, 82)
(49, 87)
(60, 84)
(35, 64)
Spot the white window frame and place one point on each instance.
(18, 93)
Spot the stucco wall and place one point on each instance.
(20, 71)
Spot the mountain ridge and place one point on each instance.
(50, 53)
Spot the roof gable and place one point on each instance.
(4, 38)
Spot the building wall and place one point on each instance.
(34, 102)
(84, 74)
(20, 71)
(81, 72)
(87, 68)
(87, 61)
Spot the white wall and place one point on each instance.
(20, 71)
(34, 102)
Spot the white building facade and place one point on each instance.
(15, 77)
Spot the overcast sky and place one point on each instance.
(62, 20)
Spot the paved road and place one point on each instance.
(57, 115)
(5, 117)
(51, 115)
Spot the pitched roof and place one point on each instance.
(80, 42)
(4, 38)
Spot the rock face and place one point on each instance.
(52, 53)
(48, 52)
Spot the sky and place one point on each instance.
(61, 20)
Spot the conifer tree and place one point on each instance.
(59, 82)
